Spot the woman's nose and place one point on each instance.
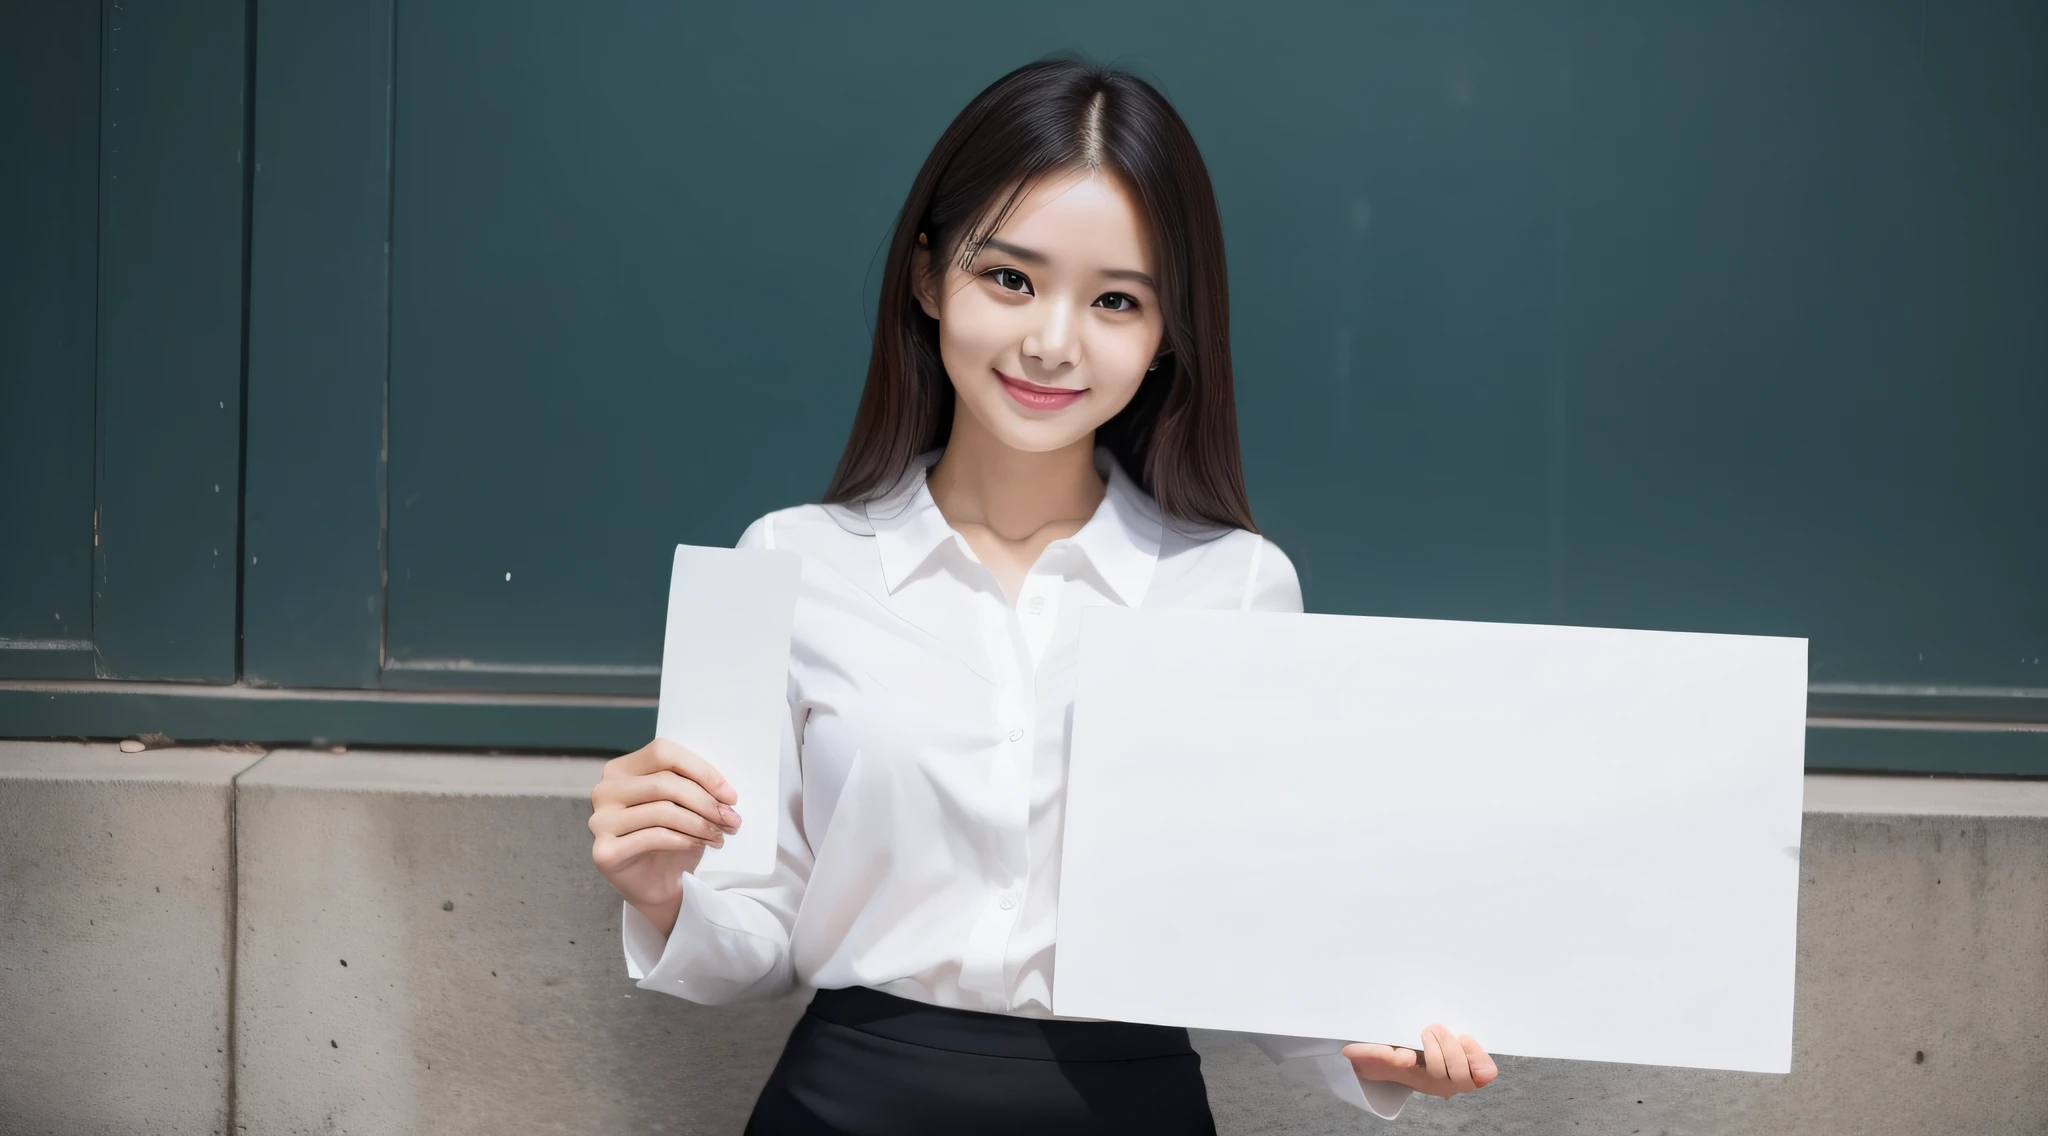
(1053, 343)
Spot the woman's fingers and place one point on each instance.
(1446, 1065)
(625, 789)
(1433, 1058)
(1374, 1062)
(661, 754)
(1455, 1066)
(664, 785)
(612, 853)
(1484, 1068)
(659, 814)
(689, 794)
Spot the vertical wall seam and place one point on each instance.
(234, 905)
(384, 443)
(99, 316)
(234, 1050)
(248, 230)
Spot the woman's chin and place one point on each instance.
(1034, 432)
(1040, 435)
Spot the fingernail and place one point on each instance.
(726, 814)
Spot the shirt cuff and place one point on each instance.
(644, 944)
(1382, 1098)
(711, 955)
(1335, 1073)
(1320, 1062)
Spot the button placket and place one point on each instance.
(1016, 636)
(1011, 636)
(1038, 612)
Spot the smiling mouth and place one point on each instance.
(1036, 397)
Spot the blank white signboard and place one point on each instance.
(1568, 842)
(725, 682)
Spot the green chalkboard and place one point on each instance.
(121, 289)
(1712, 316)
(1715, 317)
(49, 124)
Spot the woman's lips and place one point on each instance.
(1036, 397)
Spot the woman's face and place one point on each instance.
(1049, 331)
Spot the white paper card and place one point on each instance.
(1567, 842)
(725, 682)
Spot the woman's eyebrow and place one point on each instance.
(1030, 256)
(1017, 251)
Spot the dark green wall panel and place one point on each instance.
(1714, 317)
(1986, 752)
(170, 339)
(626, 309)
(191, 713)
(1707, 317)
(49, 221)
(312, 578)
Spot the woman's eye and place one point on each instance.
(1010, 279)
(1117, 302)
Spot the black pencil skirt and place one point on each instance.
(863, 1062)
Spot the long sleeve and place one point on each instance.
(1320, 1062)
(1272, 585)
(731, 941)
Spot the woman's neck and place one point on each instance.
(1012, 493)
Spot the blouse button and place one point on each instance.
(1016, 735)
(1006, 904)
(1037, 605)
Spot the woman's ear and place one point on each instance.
(921, 283)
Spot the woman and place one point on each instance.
(1047, 423)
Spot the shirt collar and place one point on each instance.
(1121, 541)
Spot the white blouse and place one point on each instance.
(925, 764)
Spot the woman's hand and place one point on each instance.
(1449, 1063)
(654, 813)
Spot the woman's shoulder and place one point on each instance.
(807, 528)
(1271, 582)
(1218, 541)
(1244, 568)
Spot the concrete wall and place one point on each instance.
(116, 890)
(483, 989)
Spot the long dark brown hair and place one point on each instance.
(1178, 436)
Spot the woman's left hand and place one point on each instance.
(1450, 1063)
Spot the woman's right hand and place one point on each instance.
(654, 812)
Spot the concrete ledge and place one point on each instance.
(484, 990)
(1910, 795)
(462, 775)
(115, 895)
